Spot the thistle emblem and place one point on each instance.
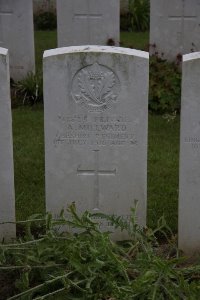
(95, 87)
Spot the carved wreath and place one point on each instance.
(95, 85)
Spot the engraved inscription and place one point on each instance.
(93, 130)
(88, 17)
(96, 171)
(95, 87)
(193, 141)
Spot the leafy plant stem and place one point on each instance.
(40, 286)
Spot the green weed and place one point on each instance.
(87, 264)
(30, 89)
(45, 21)
(164, 86)
(139, 14)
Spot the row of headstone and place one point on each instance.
(96, 136)
(174, 28)
(174, 25)
(95, 132)
(80, 22)
(96, 111)
(88, 22)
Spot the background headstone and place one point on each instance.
(88, 22)
(174, 27)
(189, 189)
(7, 197)
(16, 34)
(50, 5)
(96, 108)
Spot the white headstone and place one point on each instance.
(96, 107)
(189, 189)
(7, 197)
(174, 27)
(88, 22)
(16, 34)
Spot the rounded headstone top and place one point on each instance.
(3, 51)
(191, 56)
(102, 49)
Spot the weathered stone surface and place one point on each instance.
(7, 201)
(189, 189)
(50, 5)
(16, 34)
(96, 103)
(87, 22)
(174, 27)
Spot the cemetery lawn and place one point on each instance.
(43, 40)
(28, 160)
(29, 165)
(136, 40)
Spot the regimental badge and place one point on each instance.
(95, 87)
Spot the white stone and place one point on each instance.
(174, 27)
(96, 107)
(87, 22)
(16, 34)
(50, 5)
(189, 186)
(7, 197)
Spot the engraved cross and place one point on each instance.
(183, 18)
(3, 13)
(96, 172)
(88, 16)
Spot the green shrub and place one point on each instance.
(139, 14)
(165, 86)
(45, 21)
(125, 24)
(29, 90)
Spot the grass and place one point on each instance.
(28, 160)
(29, 150)
(163, 156)
(44, 40)
(136, 40)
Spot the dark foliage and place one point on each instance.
(165, 86)
(45, 21)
